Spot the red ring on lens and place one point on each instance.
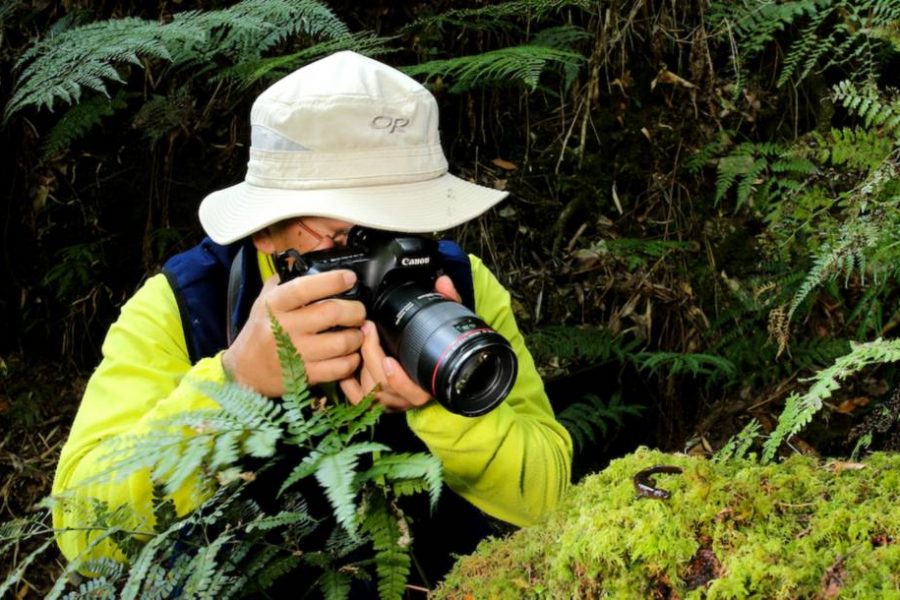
(454, 344)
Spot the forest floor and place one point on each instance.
(34, 425)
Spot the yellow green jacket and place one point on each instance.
(513, 463)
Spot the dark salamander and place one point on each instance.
(645, 485)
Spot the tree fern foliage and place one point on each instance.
(523, 65)
(497, 16)
(59, 67)
(230, 546)
(830, 33)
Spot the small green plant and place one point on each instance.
(829, 33)
(230, 546)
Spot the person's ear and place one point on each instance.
(263, 241)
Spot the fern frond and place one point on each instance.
(521, 65)
(707, 153)
(203, 569)
(104, 567)
(584, 418)
(340, 543)
(161, 114)
(739, 445)
(78, 121)
(278, 568)
(867, 104)
(362, 416)
(100, 588)
(334, 584)
(58, 67)
(405, 466)
(73, 566)
(677, 363)
(293, 372)
(250, 71)
(141, 564)
(830, 33)
(336, 473)
(562, 344)
(807, 49)
(16, 575)
(800, 409)
(841, 257)
(728, 170)
(299, 521)
(496, 16)
(390, 538)
(277, 20)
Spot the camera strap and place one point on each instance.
(235, 274)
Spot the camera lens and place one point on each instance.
(467, 366)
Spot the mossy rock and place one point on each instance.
(799, 529)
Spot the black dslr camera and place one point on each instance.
(445, 348)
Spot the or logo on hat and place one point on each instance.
(391, 124)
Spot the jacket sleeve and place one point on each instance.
(143, 377)
(514, 463)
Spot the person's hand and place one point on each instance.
(300, 305)
(397, 391)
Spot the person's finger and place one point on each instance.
(334, 369)
(392, 402)
(444, 286)
(372, 353)
(352, 390)
(330, 344)
(366, 381)
(322, 316)
(301, 291)
(400, 383)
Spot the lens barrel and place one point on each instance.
(450, 352)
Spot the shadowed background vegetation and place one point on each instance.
(703, 209)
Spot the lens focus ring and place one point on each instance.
(421, 328)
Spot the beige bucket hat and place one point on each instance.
(349, 138)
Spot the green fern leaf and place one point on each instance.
(591, 414)
(336, 474)
(293, 371)
(16, 575)
(334, 584)
(390, 537)
(277, 568)
(518, 64)
(77, 122)
(396, 467)
(800, 409)
(299, 521)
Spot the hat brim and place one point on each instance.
(420, 207)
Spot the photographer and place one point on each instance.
(343, 141)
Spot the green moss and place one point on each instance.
(800, 529)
